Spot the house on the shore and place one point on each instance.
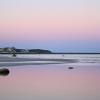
(5, 50)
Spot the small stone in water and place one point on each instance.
(70, 67)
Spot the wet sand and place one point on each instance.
(14, 61)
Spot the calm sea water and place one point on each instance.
(54, 81)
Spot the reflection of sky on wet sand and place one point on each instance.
(51, 82)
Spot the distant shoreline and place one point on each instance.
(50, 53)
(14, 50)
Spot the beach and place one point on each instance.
(17, 61)
(38, 59)
(50, 77)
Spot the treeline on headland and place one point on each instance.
(11, 50)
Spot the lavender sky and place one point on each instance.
(58, 25)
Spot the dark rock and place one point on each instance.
(4, 72)
(70, 67)
(14, 55)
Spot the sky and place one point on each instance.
(57, 25)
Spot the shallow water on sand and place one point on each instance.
(51, 82)
(41, 59)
